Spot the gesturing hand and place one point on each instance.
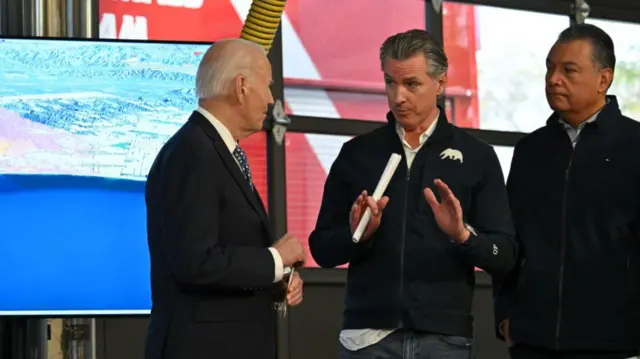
(448, 212)
(360, 206)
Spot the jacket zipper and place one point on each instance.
(563, 247)
(404, 231)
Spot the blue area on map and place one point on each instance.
(71, 242)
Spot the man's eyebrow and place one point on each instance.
(570, 63)
(405, 79)
(565, 63)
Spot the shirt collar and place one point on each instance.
(223, 131)
(580, 126)
(593, 117)
(423, 137)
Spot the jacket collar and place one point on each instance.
(605, 118)
(232, 166)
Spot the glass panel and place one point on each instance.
(627, 47)
(333, 70)
(309, 158)
(497, 68)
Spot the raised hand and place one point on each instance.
(447, 212)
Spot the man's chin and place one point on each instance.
(558, 103)
(403, 118)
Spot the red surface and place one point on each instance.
(214, 20)
(305, 183)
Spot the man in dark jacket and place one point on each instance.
(574, 187)
(411, 276)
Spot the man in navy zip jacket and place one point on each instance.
(574, 187)
(411, 276)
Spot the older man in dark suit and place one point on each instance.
(215, 263)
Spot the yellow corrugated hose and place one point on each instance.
(262, 22)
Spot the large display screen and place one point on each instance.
(80, 125)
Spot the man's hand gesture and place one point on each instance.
(357, 211)
(448, 212)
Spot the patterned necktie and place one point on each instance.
(241, 157)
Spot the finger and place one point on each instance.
(293, 290)
(363, 203)
(293, 293)
(296, 283)
(443, 189)
(431, 198)
(371, 203)
(294, 301)
(382, 203)
(355, 210)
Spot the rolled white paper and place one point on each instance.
(388, 172)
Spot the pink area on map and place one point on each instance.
(23, 132)
(20, 138)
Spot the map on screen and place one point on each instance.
(91, 108)
(81, 122)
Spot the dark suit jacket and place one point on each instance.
(211, 270)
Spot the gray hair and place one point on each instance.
(215, 74)
(410, 43)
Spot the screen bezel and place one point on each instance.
(100, 40)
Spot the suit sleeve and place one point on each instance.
(492, 247)
(330, 243)
(192, 229)
(504, 287)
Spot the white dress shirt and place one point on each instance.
(231, 144)
(355, 339)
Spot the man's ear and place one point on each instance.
(240, 88)
(441, 84)
(606, 78)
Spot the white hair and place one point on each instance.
(214, 76)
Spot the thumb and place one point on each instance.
(382, 203)
(431, 198)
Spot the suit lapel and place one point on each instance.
(233, 168)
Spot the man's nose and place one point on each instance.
(399, 96)
(271, 100)
(553, 78)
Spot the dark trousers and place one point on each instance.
(408, 344)
(521, 351)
